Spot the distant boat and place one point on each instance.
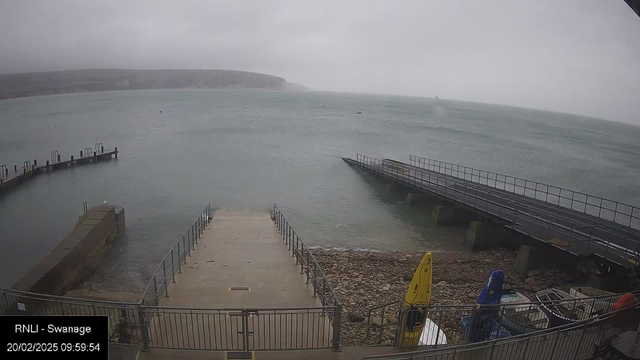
(436, 96)
(520, 316)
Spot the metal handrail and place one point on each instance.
(445, 315)
(177, 256)
(306, 260)
(632, 244)
(314, 274)
(70, 300)
(599, 320)
(475, 175)
(469, 196)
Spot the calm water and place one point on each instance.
(245, 150)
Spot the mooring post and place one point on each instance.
(47, 164)
(80, 153)
(35, 163)
(58, 157)
(71, 163)
(15, 168)
(116, 152)
(101, 149)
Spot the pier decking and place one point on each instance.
(240, 250)
(579, 233)
(241, 290)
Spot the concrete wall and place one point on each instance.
(75, 257)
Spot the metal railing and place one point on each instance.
(174, 260)
(124, 318)
(313, 272)
(552, 228)
(571, 341)
(242, 330)
(620, 213)
(460, 324)
(305, 259)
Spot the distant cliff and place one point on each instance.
(58, 82)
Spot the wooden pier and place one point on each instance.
(11, 178)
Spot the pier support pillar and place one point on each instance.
(414, 199)
(395, 187)
(484, 235)
(526, 259)
(450, 215)
(422, 199)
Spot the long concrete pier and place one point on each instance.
(11, 178)
(241, 290)
(571, 231)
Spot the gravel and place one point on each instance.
(364, 279)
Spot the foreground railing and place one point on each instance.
(457, 324)
(571, 341)
(611, 210)
(124, 318)
(242, 330)
(525, 219)
(174, 260)
(310, 267)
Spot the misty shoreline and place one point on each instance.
(95, 80)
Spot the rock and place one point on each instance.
(472, 295)
(441, 283)
(380, 276)
(375, 322)
(391, 319)
(534, 272)
(407, 277)
(353, 317)
(386, 287)
(529, 280)
(549, 272)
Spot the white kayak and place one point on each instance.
(431, 334)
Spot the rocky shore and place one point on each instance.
(365, 279)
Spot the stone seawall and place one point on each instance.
(76, 256)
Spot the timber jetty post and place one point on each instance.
(11, 180)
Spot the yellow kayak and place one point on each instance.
(415, 303)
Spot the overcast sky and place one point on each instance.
(577, 56)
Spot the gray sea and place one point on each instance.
(244, 150)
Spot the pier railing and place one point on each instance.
(540, 224)
(313, 272)
(305, 259)
(618, 212)
(173, 261)
(241, 330)
(580, 340)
